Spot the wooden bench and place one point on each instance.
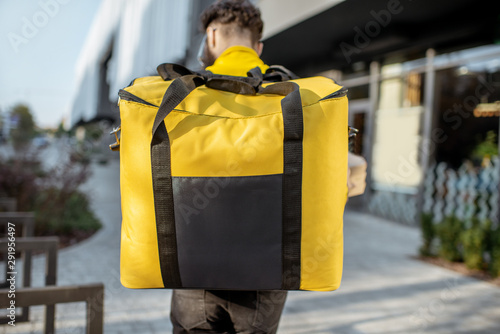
(92, 294)
(24, 223)
(50, 246)
(8, 204)
(50, 295)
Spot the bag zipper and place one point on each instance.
(340, 93)
(127, 96)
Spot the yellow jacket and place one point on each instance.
(237, 61)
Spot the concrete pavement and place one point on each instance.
(384, 290)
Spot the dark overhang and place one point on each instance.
(357, 30)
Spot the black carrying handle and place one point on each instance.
(170, 71)
(291, 106)
(239, 85)
(161, 170)
(248, 85)
(180, 88)
(277, 73)
(293, 128)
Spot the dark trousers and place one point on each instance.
(221, 311)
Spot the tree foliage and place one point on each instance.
(23, 125)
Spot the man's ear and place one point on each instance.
(211, 37)
(260, 47)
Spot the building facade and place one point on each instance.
(416, 72)
(128, 39)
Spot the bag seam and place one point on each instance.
(180, 111)
(329, 100)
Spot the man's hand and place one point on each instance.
(356, 175)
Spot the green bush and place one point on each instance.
(449, 233)
(494, 250)
(486, 148)
(53, 194)
(475, 242)
(19, 178)
(24, 130)
(478, 245)
(428, 235)
(57, 213)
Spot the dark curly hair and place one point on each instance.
(242, 12)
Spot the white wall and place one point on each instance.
(148, 36)
(87, 67)
(143, 34)
(279, 15)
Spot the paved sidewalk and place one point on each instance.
(384, 290)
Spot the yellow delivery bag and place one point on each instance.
(232, 182)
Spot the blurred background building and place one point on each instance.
(421, 75)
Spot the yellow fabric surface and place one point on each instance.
(324, 194)
(139, 265)
(216, 133)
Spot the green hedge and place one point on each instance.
(52, 194)
(474, 242)
(57, 213)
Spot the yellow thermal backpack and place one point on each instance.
(232, 182)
